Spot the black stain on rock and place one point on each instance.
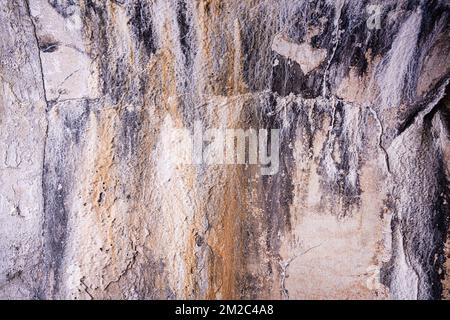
(65, 8)
(101, 198)
(60, 154)
(76, 124)
(184, 29)
(141, 25)
(131, 121)
(278, 188)
(117, 71)
(288, 77)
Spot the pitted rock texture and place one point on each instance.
(92, 205)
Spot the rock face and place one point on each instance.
(93, 205)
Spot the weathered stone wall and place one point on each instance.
(92, 205)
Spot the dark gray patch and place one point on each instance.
(49, 47)
(423, 231)
(129, 136)
(288, 78)
(141, 25)
(250, 286)
(47, 43)
(59, 165)
(278, 188)
(184, 28)
(65, 8)
(76, 124)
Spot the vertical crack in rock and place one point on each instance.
(48, 250)
(380, 139)
(38, 46)
(284, 265)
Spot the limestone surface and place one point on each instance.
(93, 204)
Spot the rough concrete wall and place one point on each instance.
(93, 206)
